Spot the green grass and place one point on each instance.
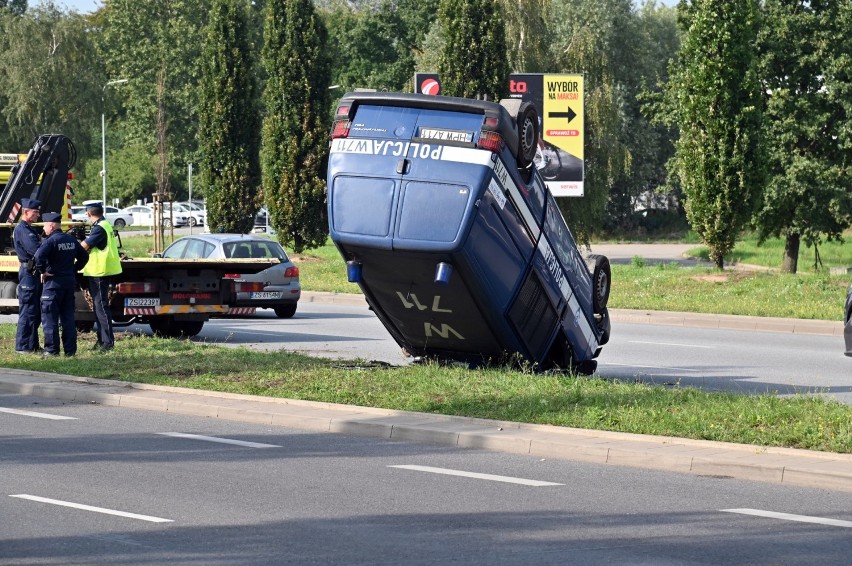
(771, 253)
(814, 423)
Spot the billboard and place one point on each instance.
(559, 101)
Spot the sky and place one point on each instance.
(81, 6)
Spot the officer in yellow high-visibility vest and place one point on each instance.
(104, 262)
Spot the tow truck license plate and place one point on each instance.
(264, 295)
(142, 302)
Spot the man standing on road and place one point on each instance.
(104, 262)
(58, 260)
(27, 239)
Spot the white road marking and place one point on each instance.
(645, 367)
(37, 415)
(505, 479)
(673, 344)
(790, 517)
(90, 508)
(219, 440)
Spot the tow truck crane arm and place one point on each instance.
(42, 176)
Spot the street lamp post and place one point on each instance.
(103, 137)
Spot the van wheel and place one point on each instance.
(84, 326)
(601, 280)
(526, 122)
(528, 134)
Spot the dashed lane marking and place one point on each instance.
(37, 415)
(219, 440)
(475, 475)
(91, 508)
(791, 517)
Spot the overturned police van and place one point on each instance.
(448, 228)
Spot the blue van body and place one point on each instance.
(460, 255)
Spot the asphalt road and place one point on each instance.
(109, 485)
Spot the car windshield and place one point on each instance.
(255, 249)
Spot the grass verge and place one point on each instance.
(814, 423)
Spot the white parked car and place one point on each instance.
(118, 218)
(197, 215)
(143, 215)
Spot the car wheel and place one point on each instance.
(193, 222)
(167, 223)
(601, 281)
(8, 290)
(119, 223)
(287, 311)
(84, 326)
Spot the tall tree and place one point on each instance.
(229, 120)
(16, 7)
(587, 35)
(294, 146)
(50, 75)
(151, 43)
(714, 97)
(806, 53)
(473, 62)
(528, 34)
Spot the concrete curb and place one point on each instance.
(774, 465)
(688, 319)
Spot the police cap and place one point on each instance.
(93, 204)
(51, 217)
(32, 203)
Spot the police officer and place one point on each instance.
(27, 239)
(104, 262)
(59, 258)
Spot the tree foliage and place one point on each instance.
(50, 74)
(473, 62)
(586, 33)
(806, 56)
(714, 97)
(229, 120)
(156, 43)
(528, 34)
(16, 7)
(294, 146)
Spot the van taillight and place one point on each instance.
(291, 272)
(340, 129)
(129, 288)
(492, 141)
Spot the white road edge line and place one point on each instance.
(219, 440)
(90, 508)
(791, 517)
(37, 415)
(672, 344)
(505, 479)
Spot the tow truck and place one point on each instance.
(460, 249)
(174, 297)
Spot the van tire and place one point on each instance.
(526, 123)
(528, 134)
(601, 281)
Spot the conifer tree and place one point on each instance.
(473, 61)
(294, 147)
(229, 120)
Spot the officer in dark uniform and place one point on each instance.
(27, 239)
(59, 259)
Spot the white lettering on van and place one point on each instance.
(443, 332)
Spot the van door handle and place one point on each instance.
(403, 167)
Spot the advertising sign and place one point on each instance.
(559, 101)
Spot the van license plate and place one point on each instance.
(264, 295)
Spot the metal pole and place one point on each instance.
(190, 197)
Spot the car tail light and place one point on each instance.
(134, 288)
(232, 276)
(291, 272)
(340, 129)
(246, 287)
(488, 137)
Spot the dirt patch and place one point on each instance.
(303, 258)
(711, 278)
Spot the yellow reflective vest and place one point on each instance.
(106, 261)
